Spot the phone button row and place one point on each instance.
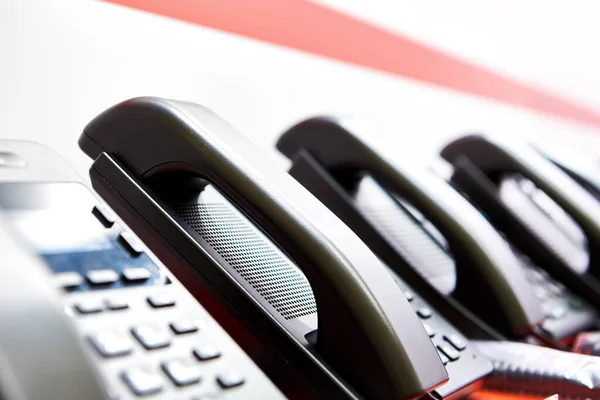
(100, 277)
(111, 344)
(142, 381)
(92, 306)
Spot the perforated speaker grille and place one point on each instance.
(407, 236)
(252, 255)
(546, 220)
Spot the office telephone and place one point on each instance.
(200, 195)
(425, 231)
(552, 223)
(135, 326)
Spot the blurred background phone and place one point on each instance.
(552, 223)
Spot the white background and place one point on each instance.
(64, 61)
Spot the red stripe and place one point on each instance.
(319, 30)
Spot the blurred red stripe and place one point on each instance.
(315, 29)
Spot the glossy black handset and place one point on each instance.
(204, 197)
(413, 220)
(142, 332)
(551, 221)
(390, 207)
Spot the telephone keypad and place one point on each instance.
(545, 287)
(155, 360)
(102, 262)
(147, 334)
(435, 324)
(562, 319)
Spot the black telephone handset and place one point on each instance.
(551, 218)
(91, 314)
(488, 280)
(414, 253)
(199, 193)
